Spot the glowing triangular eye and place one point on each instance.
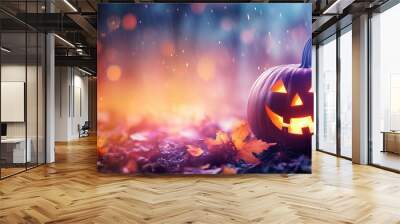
(296, 101)
(279, 87)
(311, 90)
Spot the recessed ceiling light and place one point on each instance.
(65, 41)
(70, 5)
(84, 71)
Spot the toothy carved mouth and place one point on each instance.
(296, 124)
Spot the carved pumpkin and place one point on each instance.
(280, 105)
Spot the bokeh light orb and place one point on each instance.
(113, 23)
(113, 73)
(227, 24)
(198, 8)
(129, 22)
(247, 36)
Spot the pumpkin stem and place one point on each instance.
(306, 59)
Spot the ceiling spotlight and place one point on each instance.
(5, 50)
(70, 5)
(65, 41)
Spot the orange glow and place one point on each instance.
(279, 87)
(206, 69)
(114, 73)
(295, 126)
(275, 118)
(296, 101)
(129, 22)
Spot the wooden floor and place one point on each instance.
(71, 191)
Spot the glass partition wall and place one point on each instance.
(385, 89)
(22, 98)
(327, 96)
(334, 94)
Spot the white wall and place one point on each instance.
(33, 127)
(16, 73)
(71, 94)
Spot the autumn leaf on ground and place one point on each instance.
(204, 167)
(101, 142)
(194, 150)
(254, 146)
(247, 147)
(229, 170)
(130, 167)
(239, 134)
(220, 139)
(102, 151)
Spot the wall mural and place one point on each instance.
(204, 88)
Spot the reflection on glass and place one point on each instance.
(22, 90)
(327, 96)
(385, 86)
(14, 153)
(346, 94)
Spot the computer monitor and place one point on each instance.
(3, 129)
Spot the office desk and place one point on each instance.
(391, 141)
(16, 148)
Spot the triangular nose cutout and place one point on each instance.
(296, 101)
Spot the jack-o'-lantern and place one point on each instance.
(280, 105)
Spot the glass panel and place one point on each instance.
(13, 90)
(32, 87)
(385, 84)
(41, 98)
(22, 88)
(346, 94)
(31, 98)
(327, 96)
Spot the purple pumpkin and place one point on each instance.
(280, 105)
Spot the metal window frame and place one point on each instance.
(381, 9)
(334, 37)
(44, 75)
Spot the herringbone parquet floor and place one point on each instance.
(71, 191)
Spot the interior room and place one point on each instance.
(199, 112)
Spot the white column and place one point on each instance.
(50, 99)
(360, 90)
(50, 92)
